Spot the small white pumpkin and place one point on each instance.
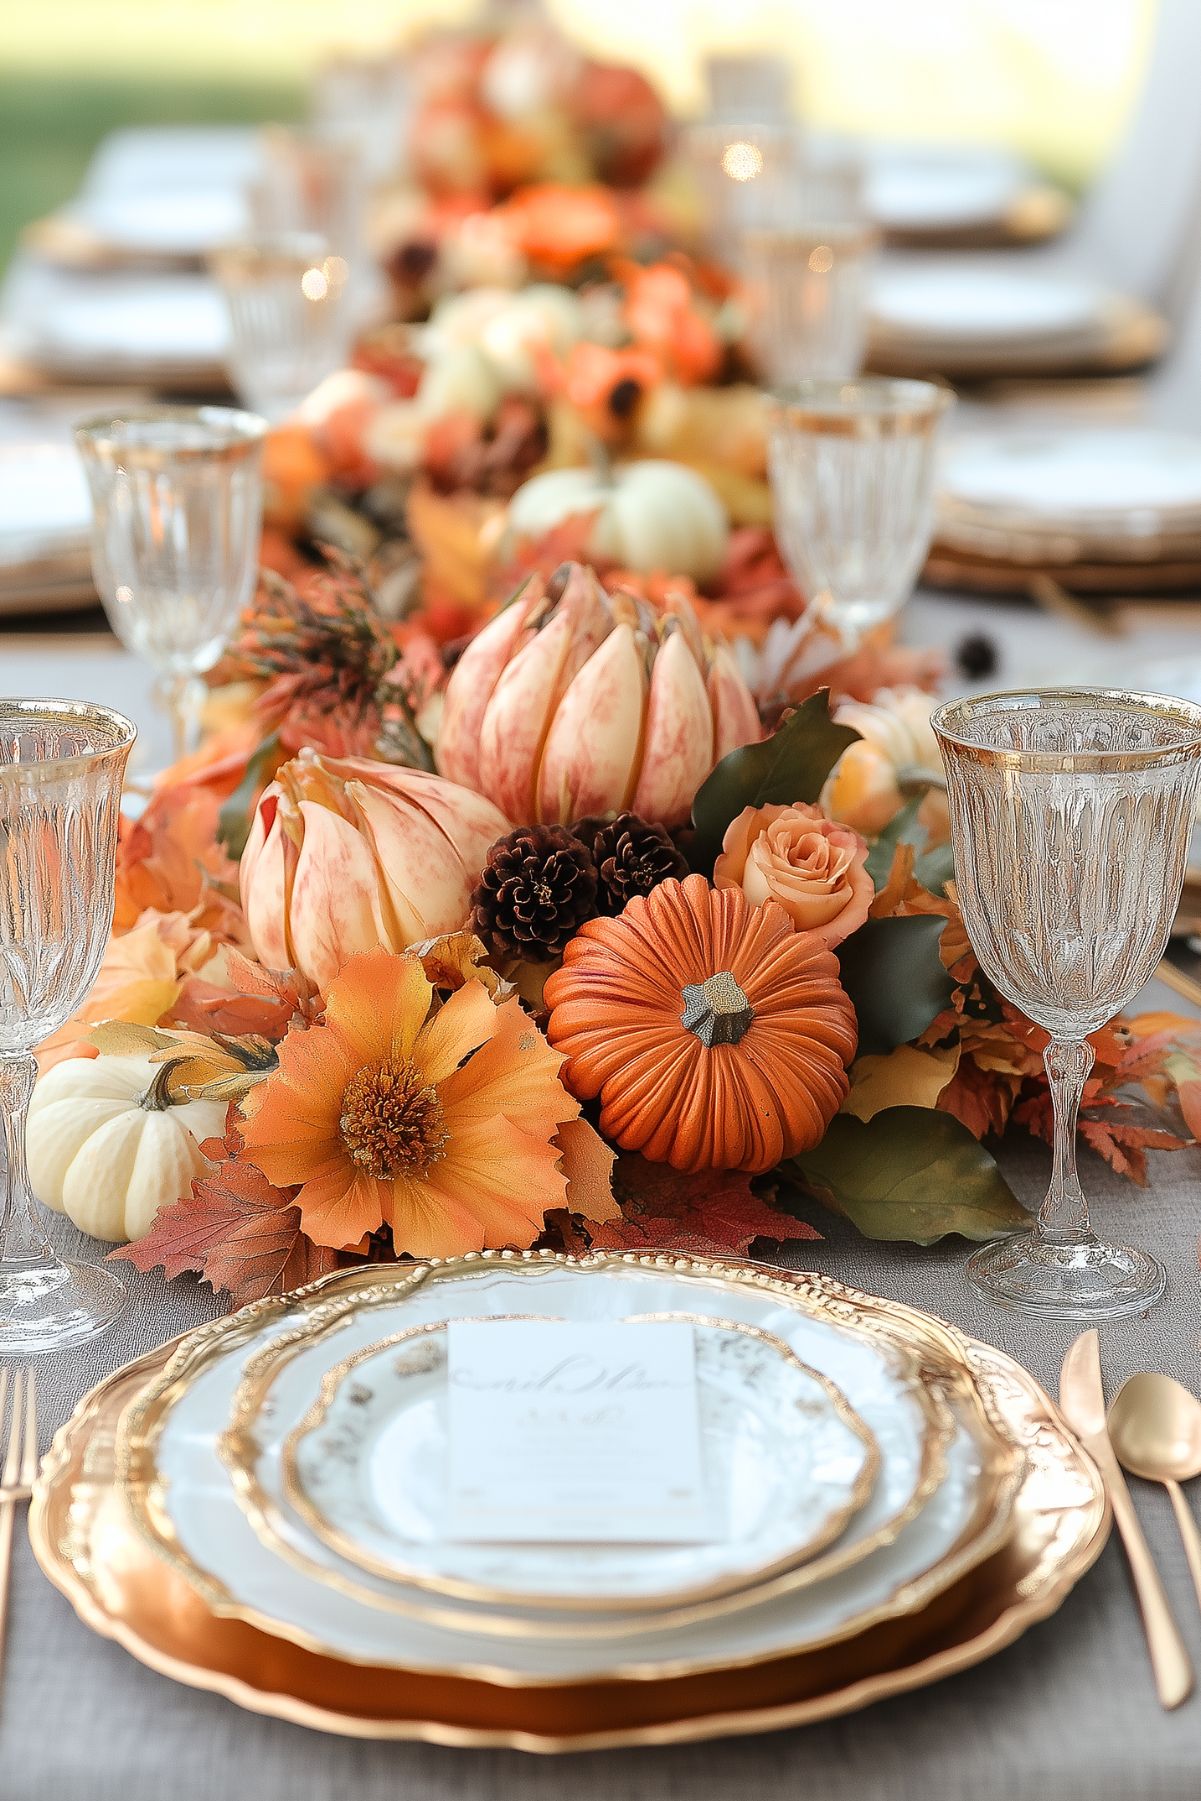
(652, 516)
(107, 1149)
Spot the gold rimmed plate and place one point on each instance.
(179, 1503)
(85, 1543)
(788, 1461)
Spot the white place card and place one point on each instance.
(573, 1432)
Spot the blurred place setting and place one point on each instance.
(600, 907)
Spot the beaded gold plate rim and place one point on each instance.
(1062, 1522)
(940, 1375)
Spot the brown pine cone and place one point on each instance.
(632, 856)
(537, 888)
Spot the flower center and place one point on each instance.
(716, 1010)
(391, 1121)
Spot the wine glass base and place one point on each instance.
(1084, 1281)
(50, 1307)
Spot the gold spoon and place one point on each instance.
(1155, 1428)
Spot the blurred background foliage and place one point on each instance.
(1051, 78)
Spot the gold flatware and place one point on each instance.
(1082, 1398)
(17, 1478)
(1155, 1428)
(1054, 598)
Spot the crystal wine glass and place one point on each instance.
(290, 324)
(176, 515)
(852, 476)
(1070, 817)
(62, 763)
(807, 292)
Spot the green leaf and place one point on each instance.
(903, 828)
(894, 975)
(910, 1173)
(789, 767)
(233, 822)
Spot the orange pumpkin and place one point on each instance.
(716, 1036)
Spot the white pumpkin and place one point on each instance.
(105, 1150)
(510, 329)
(650, 515)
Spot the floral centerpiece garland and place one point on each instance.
(558, 948)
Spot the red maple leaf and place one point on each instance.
(237, 1231)
(713, 1213)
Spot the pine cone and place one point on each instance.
(632, 856)
(537, 888)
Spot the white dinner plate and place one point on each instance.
(1066, 477)
(183, 1501)
(114, 325)
(786, 1464)
(45, 509)
(154, 157)
(159, 222)
(973, 305)
(941, 187)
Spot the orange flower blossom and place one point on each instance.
(447, 1123)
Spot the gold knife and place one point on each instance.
(1082, 1398)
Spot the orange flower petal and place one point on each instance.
(587, 1162)
(506, 1178)
(516, 1074)
(464, 1022)
(378, 1004)
(339, 1206)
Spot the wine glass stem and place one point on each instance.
(23, 1244)
(184, 695)
(1063, 1217)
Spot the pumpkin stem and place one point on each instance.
(158, 1096)
(716, 1010)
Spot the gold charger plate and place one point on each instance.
(84, 1543)
(937, 1373)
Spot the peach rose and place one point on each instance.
(814, 868)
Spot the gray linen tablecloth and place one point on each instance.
(1066, 1714)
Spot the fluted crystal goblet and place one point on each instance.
(1070, 818)
(806, 291)
(289, 322)
(852, 475)
(62, 763)
(177, 501)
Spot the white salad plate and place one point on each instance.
(210, 1495)
(786, 1463)
(974, 307)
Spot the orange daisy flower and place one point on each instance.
(441, 1122)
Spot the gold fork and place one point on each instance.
(16, 1479)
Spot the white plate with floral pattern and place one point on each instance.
(786, 1464)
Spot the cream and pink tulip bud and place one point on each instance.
(575, 701)
(346, 854)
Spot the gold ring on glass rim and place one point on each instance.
(81, 1541)
(238, 1448)
(239, 1451)
(943, 1373)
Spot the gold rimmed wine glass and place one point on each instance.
(62, 763)
(1070, 818)
(177, 500)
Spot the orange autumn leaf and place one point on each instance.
(713, 1213)
(237, 1232)
(171, 860)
